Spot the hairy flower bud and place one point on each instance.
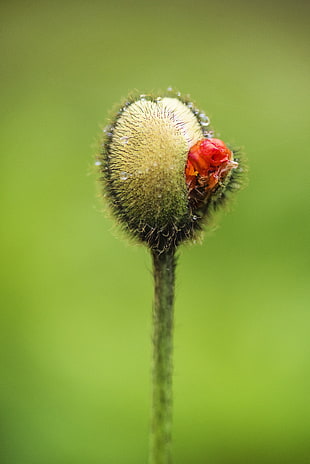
(163, 173)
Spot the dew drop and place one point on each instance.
(205, 121)
(98, 163)
(123, 176)
(124, 140)
(169, 89)
(194, 217)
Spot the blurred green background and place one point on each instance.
(76, 300)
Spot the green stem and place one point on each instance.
(164, 276)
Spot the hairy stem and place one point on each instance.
(164, 276)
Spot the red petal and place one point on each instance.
(208, 160)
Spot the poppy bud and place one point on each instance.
(162, 171)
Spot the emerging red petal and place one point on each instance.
(209, 160)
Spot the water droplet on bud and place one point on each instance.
(204, 120)
(123, 176)
(124, 139)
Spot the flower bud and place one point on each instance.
(163, 173)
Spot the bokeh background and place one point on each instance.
(76, 300)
